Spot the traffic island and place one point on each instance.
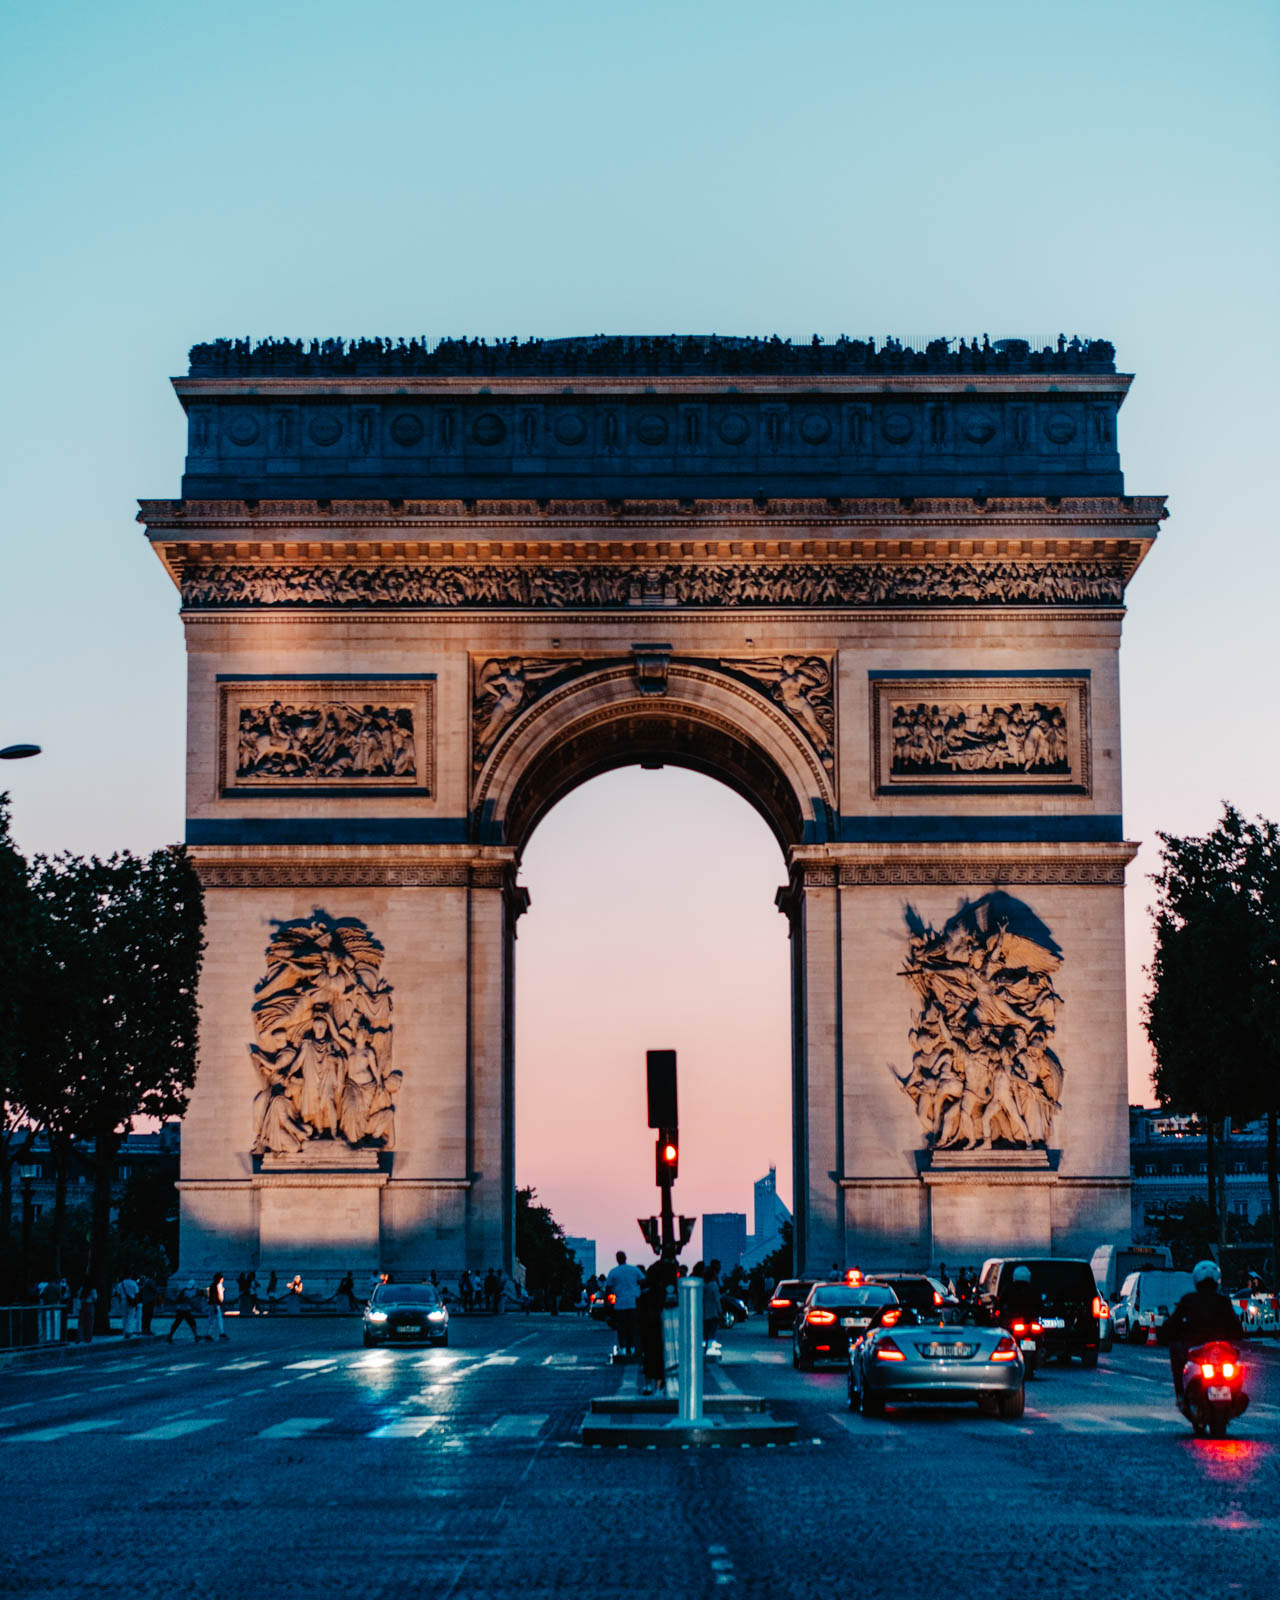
(726, 1420)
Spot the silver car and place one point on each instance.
(923, 1359)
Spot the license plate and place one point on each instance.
(1052, 1322)
(1028, 1344)
(941, 1352)
(855, 1322)
(1219, 1393)
(404, 1327)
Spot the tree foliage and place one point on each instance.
(551, 1268)
(1213, 1013)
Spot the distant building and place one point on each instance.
(770, 1214)
(584, 1251)
(34, 1176)
(1168, 1165)
(724, 1237)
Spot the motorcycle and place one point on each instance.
(1212, 1388)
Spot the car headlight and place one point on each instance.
(437, 1316)
(376, 1316)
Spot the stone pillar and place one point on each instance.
(811, 902)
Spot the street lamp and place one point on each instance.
(18, 752)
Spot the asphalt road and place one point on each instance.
(288, 1461)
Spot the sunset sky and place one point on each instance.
(176, 174)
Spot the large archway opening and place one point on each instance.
(652, 924)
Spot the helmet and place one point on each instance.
(1206, 1271)
(1022, 1274)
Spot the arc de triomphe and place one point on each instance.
(879, 592)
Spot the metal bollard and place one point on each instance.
(689, 1296)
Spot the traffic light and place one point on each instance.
(661, 1074)
(668, 1152)
(652, 1234)
(687, 1225)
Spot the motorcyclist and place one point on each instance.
(1199, 1317)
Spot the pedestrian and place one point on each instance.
(466, 1289)
(491, 1291)
(295, 1295)
(130, 1308)
(659, 1287)
(184, 1311)
(217, 1295)
(712, 1309)
(88, 1311)
(148, 1294)
(944, 1279)
(242, 1293)
(624, 1284)
(271, 1290)
(254, 1293)
(347, 1290)
(834, 1275)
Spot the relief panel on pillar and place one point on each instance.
(993, 733)
(322, 1049)
(984, 1075)
(343, 736)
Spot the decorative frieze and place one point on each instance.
(704, 585)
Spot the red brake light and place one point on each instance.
(612, 1299)
(1228, 1369)
(779, 1302)
(937, 1298)
(886, 1350)
(1036, 1328)
(1100, 1307)
(1006, 1350)
(821, 1319)
(891, 1316)
(1019, 1327)
(1206, 1369)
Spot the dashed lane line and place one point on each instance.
(405, 1428)
(178, 1429)
(517, 1426)
(42, 1435)
(294, 1427)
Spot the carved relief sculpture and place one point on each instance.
(1001, 733)
(281, 735)
(503, 688)
(325, 740)
(983, 1073)
(709, 585)
(322, 1020)
(802, 686)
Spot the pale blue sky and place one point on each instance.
(174, 175)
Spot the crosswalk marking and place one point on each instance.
(405, 1428)
(310, 1366)
(517, 1427)
(242, 1366)
(177, 1430)
(41, 1434)
(294, 1427)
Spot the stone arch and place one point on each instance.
(702, 720)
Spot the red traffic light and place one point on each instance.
(667, 1151)
(670, 1154)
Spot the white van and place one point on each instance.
(1145, 1301)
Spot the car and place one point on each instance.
(1066, 1298)
(785, 1303)
(405, 1312)
(1145, 1301)
(833, 1316)
(918, 1290)
(733, 1310)
(910, 1358)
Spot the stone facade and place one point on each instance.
(390, 682)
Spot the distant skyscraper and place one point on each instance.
(770, 1214)
(724, 1237)
(585, 1251)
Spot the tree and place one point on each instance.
(17, 914)
(779, 1263)
(551, 1268)
(114, 1037)
(1213, 1015)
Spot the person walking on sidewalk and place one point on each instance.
(217, 1297)
(88, 1311)
(184, 1311)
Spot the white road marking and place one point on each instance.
(772, 1358)
(517, 1427)
(20, 1405)
(499, 1361)
(42, 1434)
(294, 1427)
(177, 1430)
(241, 1366)
(405, 1428)
(311, 1366)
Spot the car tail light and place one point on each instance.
(1006, 1350)
(777, 1305)
(1100, 1307)
(821, 1319)
(1207, 1369)
(891, 1317)
(1036, 1328)
(1019, 1327)
(1228, 1369)
(937, 1298)
(612, 1299)
(886, 1350)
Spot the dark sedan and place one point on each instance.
(785, 1303)
(405, 1312)
(834, 1315)
(929, 1296)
